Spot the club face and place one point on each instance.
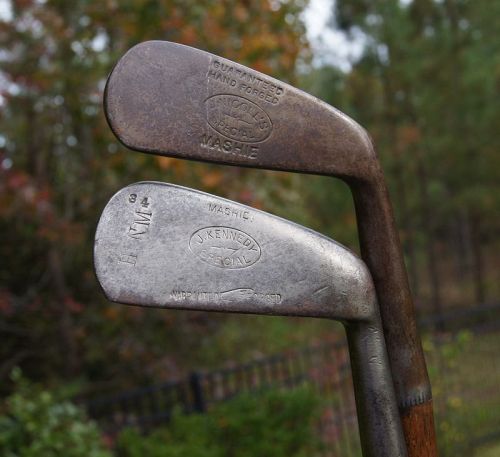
(174, 100)
(167, 246)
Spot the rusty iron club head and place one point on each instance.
(170, 99)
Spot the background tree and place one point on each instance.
(424, 88)
(60, 164)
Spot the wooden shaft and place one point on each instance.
(381, 250)
(419, 431)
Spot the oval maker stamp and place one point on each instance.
(238, 118)
(224, 247)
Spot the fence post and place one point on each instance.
(197, 391)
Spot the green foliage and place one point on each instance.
(446, 355)
(272, 424)
(194, 442)
(425, 88)
(489, 451)
(446, 351)
(62, 163)
(34, 423)
(465, 379)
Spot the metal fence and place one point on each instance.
(326, 368)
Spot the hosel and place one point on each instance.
(380, 427)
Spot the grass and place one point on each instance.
(488, 451)
(465, 374)
(245, 337)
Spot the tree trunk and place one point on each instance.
(66, 326)
(427, 227)
(401, 200)
(459, 247)
(406, 223)
(477, 259)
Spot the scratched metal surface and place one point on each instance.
(168, 246)
(169, 99)
(164, 245)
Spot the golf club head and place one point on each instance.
(173, 100)
(168, 246)
(170, 99)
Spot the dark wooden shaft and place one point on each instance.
(381, 250)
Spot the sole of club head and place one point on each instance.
(168, 246)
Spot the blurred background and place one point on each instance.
(422, 76)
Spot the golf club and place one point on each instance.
(174, 100)
(167, 246)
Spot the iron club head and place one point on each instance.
(167, 246)
(170, 99)
(174, 100)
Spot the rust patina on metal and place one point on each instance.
(174, 100)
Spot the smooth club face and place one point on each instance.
(174, 100)
(167, 246)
